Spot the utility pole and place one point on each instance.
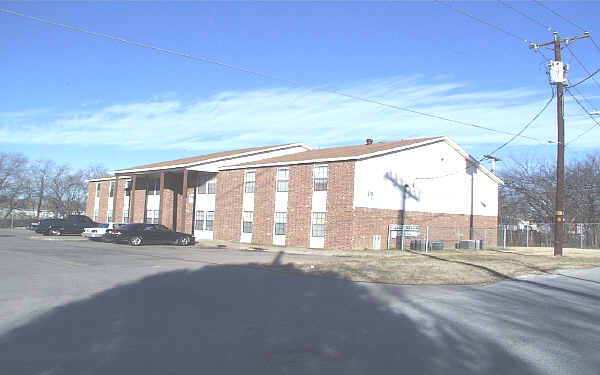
(558, 77)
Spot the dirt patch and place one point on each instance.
(452, 267)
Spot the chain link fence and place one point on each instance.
(429, 237)
(577, 235)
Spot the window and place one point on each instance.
(318, 224)
(210, 220)
(153, 187)
(152, 216)
(111, 191)
(127, 188)
(98, 190)
(282, 179)
(207, 185)
(109, 215)
(320, 178)
(95, 214)
(280, 222)
(126, 215)
(199, 225)
(249, 184)
(247, 221)
(201, 188)
(211, 185)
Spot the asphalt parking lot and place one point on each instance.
(40, 272)
(73, 306)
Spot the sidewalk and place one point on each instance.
(298, 250)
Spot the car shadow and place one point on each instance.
(246, 319)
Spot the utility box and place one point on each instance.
(558, 72)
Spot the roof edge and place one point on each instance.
(322, 160)
(183, 165)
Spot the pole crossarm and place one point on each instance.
(559, 40)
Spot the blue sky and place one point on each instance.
(82, 100)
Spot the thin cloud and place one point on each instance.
(250, 118)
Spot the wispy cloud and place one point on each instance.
(280, 115)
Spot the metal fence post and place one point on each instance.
(426, 238)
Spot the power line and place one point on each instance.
(558, 14)
(502, 146)
(261, 74)
(467, 14)
(549, 28)
(597, 124)
(582, 65)
(566, 20)
(585, 79)
(526, 125)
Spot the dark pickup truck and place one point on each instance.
(73, 224)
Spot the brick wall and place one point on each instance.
(264, 205)
(189, 213)
(228, 209)
(103, 207)
(91, 196)
(119, 196)
(138, 194)
(340, 196)
(447, 227)
(299, 205)
(168, 208)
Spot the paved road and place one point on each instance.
(78, 307)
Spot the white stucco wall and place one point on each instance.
(437, 177)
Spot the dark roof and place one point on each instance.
(200, 158)
(349, 152)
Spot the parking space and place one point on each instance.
(41, 272)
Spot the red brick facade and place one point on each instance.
(228, 208)
(299, 205)
(346, 227)
(264, 205)
(340, 196)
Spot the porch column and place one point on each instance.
(161, 208)
(132, 199)
(115, 193)
(183, 208)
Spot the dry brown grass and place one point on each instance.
(452, 267)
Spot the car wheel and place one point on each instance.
(135, 241)
(184, 241)
(55, 232)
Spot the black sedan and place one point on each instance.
(141, 234)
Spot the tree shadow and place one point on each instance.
(246, 319)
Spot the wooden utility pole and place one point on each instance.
(560, 82)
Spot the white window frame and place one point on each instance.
(209, 221)
(247, 218)
(283, 180)
(111, 189)
(109, 215)
(98, 190)
(199, 218)
(316, 218)
(320, 177)
(280, 221)
(249, 182)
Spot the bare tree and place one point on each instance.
(40, 173)
(12, 182)
(530, 186)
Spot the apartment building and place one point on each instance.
(351, 197)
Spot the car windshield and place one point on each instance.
(102, 226)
